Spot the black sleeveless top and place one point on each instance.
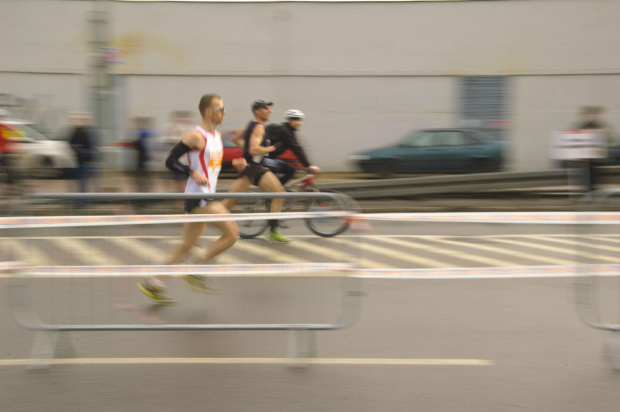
(246, 147)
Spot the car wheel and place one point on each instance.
(485, 165)
(495, 165)
(478, 166)
(47, 169)
(385, 168)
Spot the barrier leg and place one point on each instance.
(612, 349)
(43, 349)
(301, 346)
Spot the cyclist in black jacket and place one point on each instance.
(283, 136)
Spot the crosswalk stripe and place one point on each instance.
(364, 262)
(89, 254)
(197, 252)
(574, 250)
(31, 254)
(391, 247)
(427, 262)
(334, 254)
(456, 254)
(575, 242)
(274, 255)
(150, 254)
(605, 239)
(547, 259)
(567, 251)
(525, 255)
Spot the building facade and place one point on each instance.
(365, 73)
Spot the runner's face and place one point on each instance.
(296, 124)
(264, 113)
(217, 111)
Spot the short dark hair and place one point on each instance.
(205, 102)
(259, 104)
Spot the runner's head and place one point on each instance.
(211, 107)
(295, 118)
(262, 110)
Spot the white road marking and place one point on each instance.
(272, 255)
(143, 250)
(363, 262)
(424, 261)
(27, 252)
(575, 242)
(571, 251)
(537, 246)
(250, 361)
(333, 253)
(87, 253)
(460, 255)
(544, 259)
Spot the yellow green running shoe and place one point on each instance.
(199, 284)
(276, 237)
(157, 295)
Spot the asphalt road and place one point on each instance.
(459, 346)
(498, 344)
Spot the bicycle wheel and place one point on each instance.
(326, 226)
(249, 229)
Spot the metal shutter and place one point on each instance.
(484, 104)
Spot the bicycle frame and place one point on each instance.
(305, 182)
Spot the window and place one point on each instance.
(419, 139)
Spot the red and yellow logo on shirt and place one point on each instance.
(215, 159)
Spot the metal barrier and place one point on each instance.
(301, 339)
(594, 300)
(467, 183)
(587, 273)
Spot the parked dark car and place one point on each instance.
(435, 151)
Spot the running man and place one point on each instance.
(204, 150)
(252, 140)
(286, 133)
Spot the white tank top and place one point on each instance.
(207, 161)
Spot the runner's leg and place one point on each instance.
(270, 183)
(241, 185)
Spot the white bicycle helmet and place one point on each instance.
(294, 114)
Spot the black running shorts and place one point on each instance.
(191, 204)
(254, 172)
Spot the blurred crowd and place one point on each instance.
(144, 147)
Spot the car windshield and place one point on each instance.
(418, 139)
(32, 133)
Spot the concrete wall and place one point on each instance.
(365, 73)
(546, 103)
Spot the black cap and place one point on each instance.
(259, 104)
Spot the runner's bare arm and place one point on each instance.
(258, 134)
(238, 138)
(193, 140)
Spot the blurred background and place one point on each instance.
(104, 88)
(366, 74)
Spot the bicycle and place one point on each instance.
(321, 226)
